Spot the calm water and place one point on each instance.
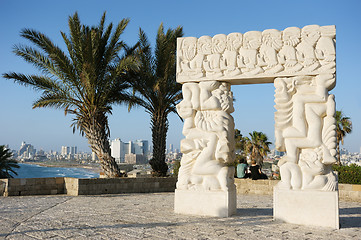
(35, 171)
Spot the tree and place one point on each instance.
(156, 90)
(240, 144)
(343, 127)
(7, 164)
(85, 82)
(257, 146)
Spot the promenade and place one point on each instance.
(150, 216)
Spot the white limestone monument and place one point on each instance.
(302, 65)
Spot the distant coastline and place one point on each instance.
(93, 167)
(46, 170)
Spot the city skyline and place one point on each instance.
(49, 129)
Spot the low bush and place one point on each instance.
(348, 174)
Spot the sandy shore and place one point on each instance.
(93, 167)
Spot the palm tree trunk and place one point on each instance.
(338, 154)
(98, 140)
(159, 135)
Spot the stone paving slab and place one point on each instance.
(150, 216)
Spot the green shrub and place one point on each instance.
(348, 174)
(176, 166)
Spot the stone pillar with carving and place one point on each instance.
(305, 128)
(205, 180)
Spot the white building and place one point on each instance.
(119, 149)
(26, 151)
(65, 150)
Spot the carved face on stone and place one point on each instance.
(252, 40)
(219, 43)
(189, 48)
(234, 41)
(272, 38)
(310, 34)
(291, 36)
(204, 45)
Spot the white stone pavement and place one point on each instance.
(150, 216)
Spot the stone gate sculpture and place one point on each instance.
(302, 65)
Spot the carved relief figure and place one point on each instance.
(271, 44)
(212, 63)
(190, 64)
(287, 55)
(248, 54)
(306, 49)
(209, 142)
(325, 48)
(304, 120)
(229, 60)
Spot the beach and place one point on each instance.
(58, 169)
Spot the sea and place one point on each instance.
(36, 171)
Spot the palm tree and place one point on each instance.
(7, 164)
(240, 143)
(343, 127)
(257, 146)
(156, 90)
(85, 82)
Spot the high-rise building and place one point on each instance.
(119, 149)
(73, 150)
(65, 150)
(132, 158)
(26, 150)
(141, 147)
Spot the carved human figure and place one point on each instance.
(287, 54)
(312, 109)
(189, 63)
(325, 48)
(212, 63)
(306, 49)
(209, 143)
(315, 174)
(229, 60)
(248, 57)
(271, 44)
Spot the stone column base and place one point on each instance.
(210, 203)
(312, 208)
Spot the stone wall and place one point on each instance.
(89, 186)
(33, 186)
(348, 192)
(95, 186)
(249, 186)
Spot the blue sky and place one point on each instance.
(49, 129)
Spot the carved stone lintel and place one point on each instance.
(257, 55)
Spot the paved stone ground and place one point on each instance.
(150, 216)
